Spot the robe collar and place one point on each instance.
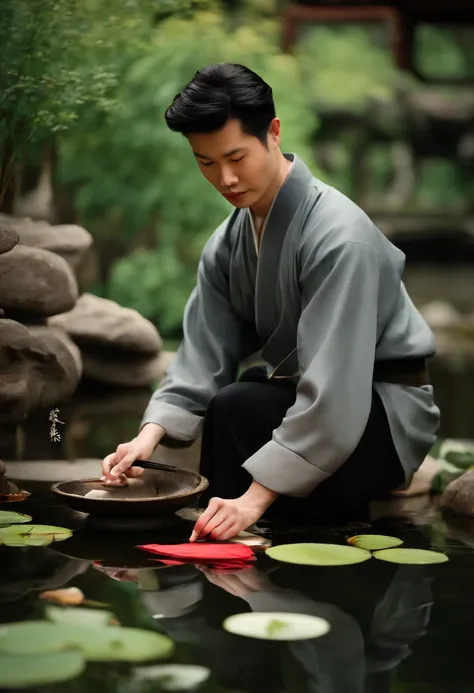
(290, 196)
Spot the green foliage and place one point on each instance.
(60, 56)
(134, 173)
(346, 66)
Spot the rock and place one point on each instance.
(67, 240)
(35, 282)
(15, 343)
(96, 321)
(8, 238)
(459, 495)
(441, 315)
(39, 368)
(55, 367)
(114, 368)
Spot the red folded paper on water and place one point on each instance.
(202, 551)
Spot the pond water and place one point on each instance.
(394, 628)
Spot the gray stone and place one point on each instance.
(8, 238)
(55, 367)
(96, 321)
(39, 368)
(35, 283)
(459, 495)
(67, 240)
(128, 370)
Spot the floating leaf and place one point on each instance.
(9, 517)
(33, 535)
(90, 618)
(411, 556)
(373, 542)
(276, 626)
(100, 644)
(318, 554)
(17, 671)
(174, 677)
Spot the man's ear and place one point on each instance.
(274, 133)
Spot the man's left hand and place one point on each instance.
(224, 518)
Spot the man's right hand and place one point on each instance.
(140, 448)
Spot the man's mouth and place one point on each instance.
(233, 196)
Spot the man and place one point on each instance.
(342, 412)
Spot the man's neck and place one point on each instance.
(260, 209)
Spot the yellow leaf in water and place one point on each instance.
(69, 596)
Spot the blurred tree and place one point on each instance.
(59, 56)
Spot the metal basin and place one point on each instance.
(175, 490)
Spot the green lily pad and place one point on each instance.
(276, 626)
(79, 616)
(374, 542)
(99, 644)
(8, 517)
(33, 535)
(18, 671)
(411, 556)
(318, 554)
(173, 677)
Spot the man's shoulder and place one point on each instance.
(336, 220)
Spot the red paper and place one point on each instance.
(202, 551)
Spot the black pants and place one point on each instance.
(241, 419)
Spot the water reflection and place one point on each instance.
(390, 625)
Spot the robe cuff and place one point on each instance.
(283, 471)
(178, 423)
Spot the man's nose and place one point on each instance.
(228, 177)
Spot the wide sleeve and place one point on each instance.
(337, 335)
(215, 341)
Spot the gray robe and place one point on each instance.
(323, 299)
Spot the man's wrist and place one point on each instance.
(260, 495)
(152, 433)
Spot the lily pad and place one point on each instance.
(276, 625)
(411, 556)
(33, 535)
(173, 677)
(318, 554)
(17, 671)
(90, 618)
(8, 517)
(108, 643)
(374, 542)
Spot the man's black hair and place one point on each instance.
(221, 92)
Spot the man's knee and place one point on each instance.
(230, 399)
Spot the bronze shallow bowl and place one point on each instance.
(175, 490)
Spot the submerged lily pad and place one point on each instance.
(173, 677)
(8, 517)
(374, 542)
(17, 671)
(33, 535)
(105, 643)
(79, 616)
(276, 626)
(318, 554)
(411, 556)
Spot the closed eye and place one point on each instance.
(205, 163)
(236, 160)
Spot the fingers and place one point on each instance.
(208, 515)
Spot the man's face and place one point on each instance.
(238, 165)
